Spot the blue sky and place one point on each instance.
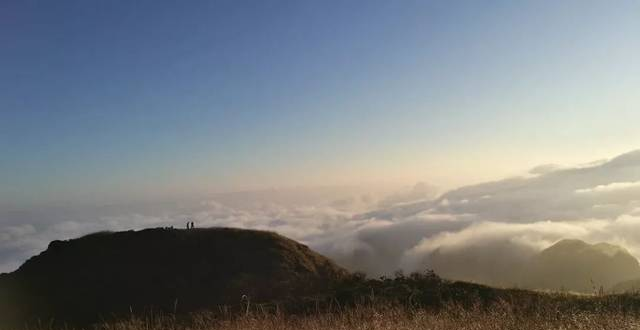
(118, 100)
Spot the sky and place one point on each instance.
(457, 126)
(114, 101)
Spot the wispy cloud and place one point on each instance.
(611, 187)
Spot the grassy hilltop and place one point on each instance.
(111, 274)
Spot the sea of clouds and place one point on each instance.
(474, 233)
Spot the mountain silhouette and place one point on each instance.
(568, 265)
(574, 265)
(108, 274)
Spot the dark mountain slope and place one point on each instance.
(106, 274)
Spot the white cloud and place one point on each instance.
(611, 187)
(494, 224)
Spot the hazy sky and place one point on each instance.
(121, 100)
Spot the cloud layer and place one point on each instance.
(474, 233)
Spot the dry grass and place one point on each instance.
(499, 316)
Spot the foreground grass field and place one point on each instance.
(500, 316)
(417, 301)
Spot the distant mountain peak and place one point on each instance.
(576, 245)
(568, 243)
(575, 265)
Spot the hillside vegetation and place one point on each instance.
(417, 301)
